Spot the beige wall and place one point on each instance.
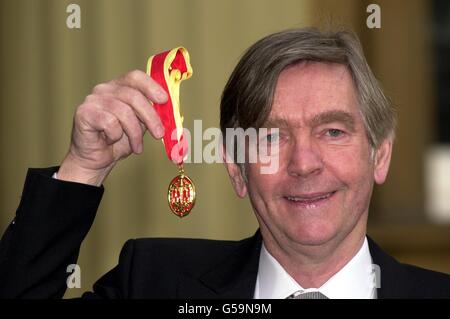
(47, 69)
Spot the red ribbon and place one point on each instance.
(169, 68)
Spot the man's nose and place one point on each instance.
(305, 158)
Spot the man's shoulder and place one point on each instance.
(428, 274)
(181, 246)
(400, 280)
(167, 267)
(426, 282)
(192, 255)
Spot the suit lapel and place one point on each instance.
(392, 283)
(234, 277)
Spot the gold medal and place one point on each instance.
(181, 194)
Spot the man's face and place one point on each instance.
(326, 170)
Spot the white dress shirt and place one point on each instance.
(356, 280)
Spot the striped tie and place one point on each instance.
(307, 295)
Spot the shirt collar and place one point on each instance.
(353, 281)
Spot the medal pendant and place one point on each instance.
(181, 194)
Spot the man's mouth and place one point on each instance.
(309, 200)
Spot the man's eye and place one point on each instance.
(273, 137)
(334, 132)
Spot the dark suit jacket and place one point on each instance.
(54, 216)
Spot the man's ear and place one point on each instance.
(234, 171)
(382, 160)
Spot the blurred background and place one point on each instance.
(47, 69)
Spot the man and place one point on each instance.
(334, 141)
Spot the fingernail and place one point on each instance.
(139, 149)
(162, 96)
(159, 131)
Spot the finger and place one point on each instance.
(127, 118)
(104, 87)
(91, 116)
(143, 108)
(141, 81)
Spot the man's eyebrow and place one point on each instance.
(323, 118)
(334, 116)
(276, 122)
